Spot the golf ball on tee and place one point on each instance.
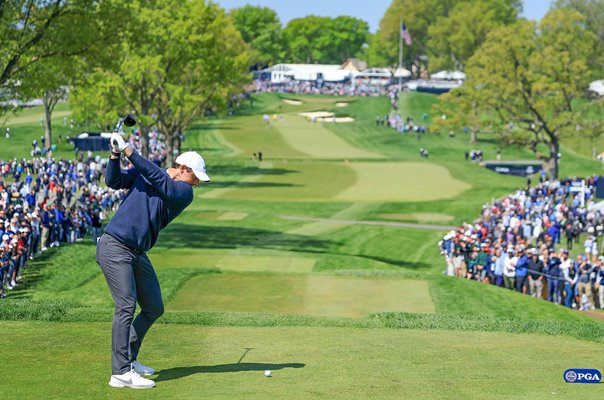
(267, 373)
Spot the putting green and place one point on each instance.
(349, 182)
(320, 295)
(401, 181)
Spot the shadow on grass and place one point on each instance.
(222, 237)
(248, 185)
(249, 170)
(181, 372)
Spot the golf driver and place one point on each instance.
(128, 120)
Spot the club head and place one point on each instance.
(129, 120)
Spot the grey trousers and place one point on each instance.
(131, 279)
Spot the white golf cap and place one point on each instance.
(194, 161)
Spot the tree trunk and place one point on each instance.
(553, 161)
(47, 124)
(173, 146)
(50, 100)
(473, 135)
(144, 138)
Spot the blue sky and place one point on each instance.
(369, 10)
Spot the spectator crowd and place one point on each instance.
(354, 88)
(524, 242)
(49, 202)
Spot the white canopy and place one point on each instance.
(402, 73)
(597, 87)
(449, 75)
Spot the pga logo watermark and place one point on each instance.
(582, 375)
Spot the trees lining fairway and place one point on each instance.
(192, 60)
(531, 82)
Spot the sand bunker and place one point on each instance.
(316, 114)
(337, 119)
(341, 104)
(325, 116)
(292, 102)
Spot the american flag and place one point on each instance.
(405, 34)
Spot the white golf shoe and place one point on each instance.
(131, 379)
(142, 369)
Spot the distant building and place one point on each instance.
(351, 69)
(280, 73)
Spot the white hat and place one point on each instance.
(194, 161)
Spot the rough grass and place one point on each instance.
(66, 311)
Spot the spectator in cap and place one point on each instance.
(509, 269)
(584, 280)
(569, 277)
(521, 270)
(552, 267)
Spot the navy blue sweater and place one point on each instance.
(153, 200)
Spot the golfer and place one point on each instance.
(155, 197)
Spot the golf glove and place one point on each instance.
(118, 144)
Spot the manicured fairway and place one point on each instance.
(315, 140)
(306, 362)
(419, 217)
(347, 181)
(333, 296)
(249, 135)
(297, 181)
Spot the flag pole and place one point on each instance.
(400, 54)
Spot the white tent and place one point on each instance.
(373, 73)
(597, 87)
(402, 73)
(308, 72)
(449, 75)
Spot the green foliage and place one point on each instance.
(532, 100)
(326, 40)
(453, 38)
(191, 61)
(261, 29)
(40, 49)
(593, 10)
(447, 32)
